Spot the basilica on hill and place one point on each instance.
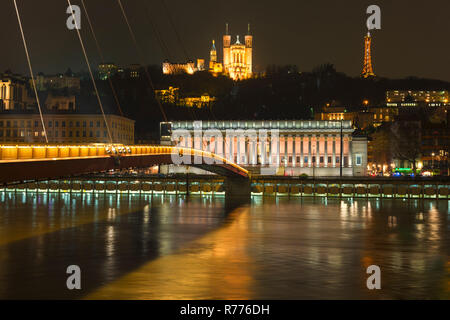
(237, 59)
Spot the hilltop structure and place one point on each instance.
(237, 59)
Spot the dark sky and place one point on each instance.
(413, 40)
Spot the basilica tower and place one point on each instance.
(248, 50)
(226, 49)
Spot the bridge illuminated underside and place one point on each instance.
(37, 162)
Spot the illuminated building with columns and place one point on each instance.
(309, 147)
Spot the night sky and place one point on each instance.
(413, 40)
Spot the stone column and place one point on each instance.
(309, 150)
(350, 153)
(294, 156)
(278, 150)
(318, 150)
(286, 154)
(334, 151)
(238, 151)
(270, 150)
(301, 151)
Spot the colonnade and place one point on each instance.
(289, 150)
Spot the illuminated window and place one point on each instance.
(358, 159)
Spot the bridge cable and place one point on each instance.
(159, 38)
(31, 71)
(169, 16)
(162, 44)
(91, 74)
(102, 57)
(184, 50)
(141, 60)
(183, 47)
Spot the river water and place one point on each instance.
(168, 247)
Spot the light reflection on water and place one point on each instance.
(167, 247)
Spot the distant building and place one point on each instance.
(71, 118)
(362, 118)
(58, 82)
(334, 113)
(434, 149)
(237, 60)
(58, 103)
(237, 57)
(13, 92)
(215, 67)
(107, 70)
(134, 70)
(178, 68)
(200, 64)
(65, 128)
(383, 114)
(205, 100)
(417, 98)
(172, 96)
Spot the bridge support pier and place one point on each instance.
(237, 191)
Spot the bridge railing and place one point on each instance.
(54, 152)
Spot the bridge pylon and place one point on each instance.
(237, 191)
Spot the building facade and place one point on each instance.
(65, 128)
(172, 96)
(107, 70)
(13, 92)
(416, 96)
(178, 68)
(289, 147)
(362, 118)
(237, 57)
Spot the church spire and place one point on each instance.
(213, 52)
(248, 29)
(226, 28)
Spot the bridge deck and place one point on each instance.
(21, 163)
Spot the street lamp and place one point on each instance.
(432, 161)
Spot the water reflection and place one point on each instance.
(143, 247)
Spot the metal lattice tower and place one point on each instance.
(367, 68)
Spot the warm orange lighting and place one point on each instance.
(367, 68)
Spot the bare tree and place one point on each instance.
(406, 140)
